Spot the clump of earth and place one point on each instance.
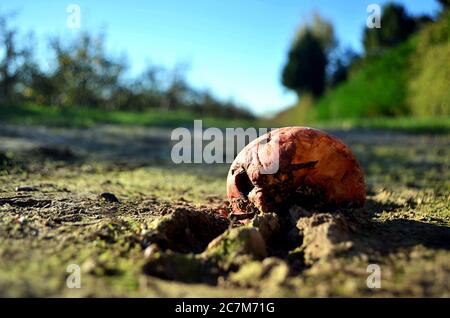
(199, 246)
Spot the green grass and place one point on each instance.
(378, 88)
(407, 124)
(32, 114)
(432, 125)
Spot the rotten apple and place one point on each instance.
(312, 169)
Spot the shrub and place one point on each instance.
(429, 87)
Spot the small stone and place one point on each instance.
(22, 220)
(89, 266)
(26, 188)
(109, 197)
(151, 250)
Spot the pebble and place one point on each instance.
(22, 220)
(109, 197)
(26, 188)
(151, 250)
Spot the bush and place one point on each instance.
(378, 88)
(429, 87)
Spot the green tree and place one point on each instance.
(322, 29)
(445, 4)
(340, 63)
(14, 60)
(306, 65)
(84, 74)
(396, 26)
(429, 80)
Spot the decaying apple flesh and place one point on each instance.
(294, 166)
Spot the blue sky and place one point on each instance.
(236, 48)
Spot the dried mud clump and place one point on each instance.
(199, 246)
(202, 246)
(294, 166)
(186, 230)
(325, 235)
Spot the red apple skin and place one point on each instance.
(316, 171)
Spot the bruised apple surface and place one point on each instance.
(294, 166)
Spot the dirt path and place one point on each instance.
(147, 144)
(63, 219)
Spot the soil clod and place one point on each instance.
(109, 197)
(26, 188)
(25, 202)
(186, 229)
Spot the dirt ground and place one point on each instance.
(109, 200)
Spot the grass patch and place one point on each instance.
(32, 114)
(378, 88)
(407, 124)
(432, 125)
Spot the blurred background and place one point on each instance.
(230, 63)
